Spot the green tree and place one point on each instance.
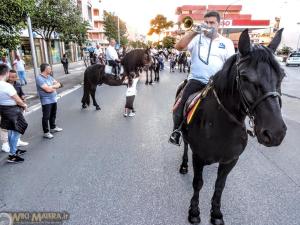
(137, 44)
(12, 21)
(59, 16)
(159, 24)
(110, 24)
(168, 42)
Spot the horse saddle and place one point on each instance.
(109, 70)
(192, 103)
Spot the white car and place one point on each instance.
(293, 59)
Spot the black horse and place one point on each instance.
(182, 61)
(95, 74)
(248, 85)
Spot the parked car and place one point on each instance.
(293, 59)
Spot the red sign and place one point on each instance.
(226, 23)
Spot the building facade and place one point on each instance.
(92, 11)
(232, 21)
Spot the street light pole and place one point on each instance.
(298, 39)
(119, 32)
(226, 12)
(32, 47)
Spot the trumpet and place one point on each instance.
(189, 24)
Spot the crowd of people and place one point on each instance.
(13, 105)
(215, 50)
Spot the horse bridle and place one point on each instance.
(248, 108)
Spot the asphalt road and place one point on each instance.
(105, 169)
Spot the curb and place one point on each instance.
(4, 155)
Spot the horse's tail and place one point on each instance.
(86, 90)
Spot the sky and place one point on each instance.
(138, 13)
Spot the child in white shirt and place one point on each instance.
(130, 95)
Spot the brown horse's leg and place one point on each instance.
(151, 80)
(185, 159)
(93, 92)
(215, 213)
(147, 76)
(194, 212)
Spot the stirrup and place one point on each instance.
(180, 138)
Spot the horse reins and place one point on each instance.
(248, 108)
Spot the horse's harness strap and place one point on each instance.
(269, 94)
(232, 117)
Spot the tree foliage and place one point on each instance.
(59, 16)
(12, 21)
(137, 44)
(168, 42)
(159, 24)
(111, 27)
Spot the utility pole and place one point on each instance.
(119, 32)
(298, 40)
(32, 46)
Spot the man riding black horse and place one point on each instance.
(112, 57)
(209, 51)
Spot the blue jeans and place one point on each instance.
(13, 137)
(22, 77)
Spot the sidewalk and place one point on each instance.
(75, 77)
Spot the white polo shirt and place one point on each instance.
(221, 49)
(111, 53)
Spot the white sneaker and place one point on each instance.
(48, 135)
(125, 114)
(56, 129)
(22, 143)
(131, 114)
(5, 147)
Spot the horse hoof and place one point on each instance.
(216, 221)
(98, 108)
(194, 219)
(183, 170)
(146, 83)
(84, 106)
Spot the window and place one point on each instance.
(96, 12)
(89, 9)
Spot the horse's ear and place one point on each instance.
(276, 40)
(244, 43)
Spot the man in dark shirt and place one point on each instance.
(12, 79)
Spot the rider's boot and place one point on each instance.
(175, 137)
(176, 134)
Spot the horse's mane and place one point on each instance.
(224, 80)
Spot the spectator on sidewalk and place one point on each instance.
(12, 118)
(65, 62)
(19, 65)
(47, 86)
(12, 79)
(5, 61)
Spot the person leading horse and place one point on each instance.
(209, 51)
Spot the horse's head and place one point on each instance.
(259, 80)
(147, 59)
